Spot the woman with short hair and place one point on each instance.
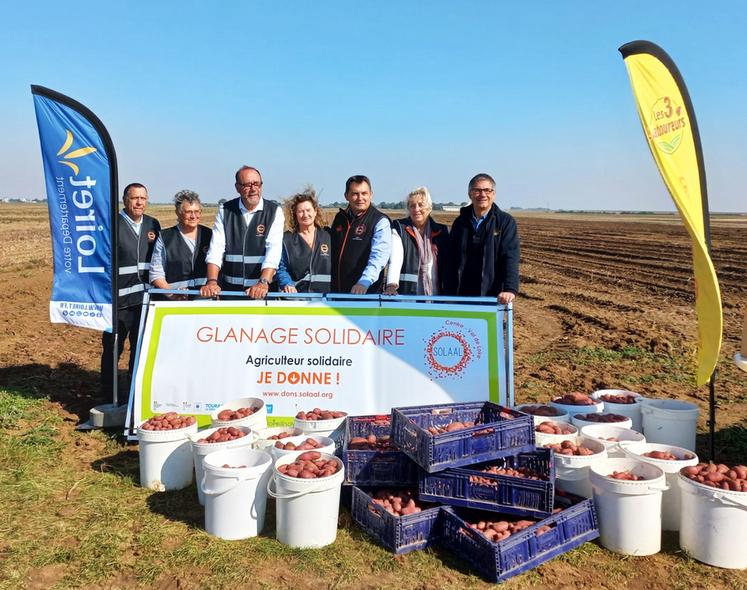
(306, 262)
(416, 265)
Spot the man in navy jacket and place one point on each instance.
(484, 247)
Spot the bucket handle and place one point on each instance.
(272, 492)
(719, 497)
(209, 492)
(663, 488)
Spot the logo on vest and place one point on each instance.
(151, 236)
(261, 230)
(360, 230)
(324, 249)
(450, 350)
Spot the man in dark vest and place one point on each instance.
(247, 241)
(179, 255)
(361, 241)
(137, 234)
(484, 247)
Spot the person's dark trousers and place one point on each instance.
(129, 323)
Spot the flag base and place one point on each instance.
(741, 361)
(105, 416)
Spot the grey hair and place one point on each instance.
(186, 196)
(478, 177)
(421, 191)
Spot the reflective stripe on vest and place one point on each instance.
(408, 277)
(134, 289)
(239, 281)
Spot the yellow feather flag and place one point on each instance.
(671, 131)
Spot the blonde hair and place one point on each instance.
(423, 192)
(292, 203)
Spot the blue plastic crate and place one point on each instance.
(375, 468)
(500, 493)
(399, 534)
(494, 437)
(522, 551)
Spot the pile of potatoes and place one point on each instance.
(575, 399)
(168, 421)
(281, 436)
(396, 502)
(568, 447)
(223, 435)
(718, 476)
(310, 465)
(523, 472)
(626, 476)
(548, 427)
(618, 398)
(227, 466)
(317, 414)
(450, 427)
(307, 445)
(667, 456)
(229, 415)
(502, 529)
(371, 443)
(541, 410)
(601, 418)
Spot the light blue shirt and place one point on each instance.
(135, 225)
(477, 221)
(381, 248)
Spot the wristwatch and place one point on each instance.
(263, 281)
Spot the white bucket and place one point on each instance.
(671, 501)
(165, 458)
(200, 450)
(572, 471)
(263, 435)
(578, 409)
(670, 422)
(255, 421)
(236, 499)
(713, 524)
(627, 423)
(562, 417)
(601, 432)
(328, 446)
(542, 439)
(306, 509)
(629, 511)
(633, 411)
(333, 428)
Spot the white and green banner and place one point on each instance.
(358, 357)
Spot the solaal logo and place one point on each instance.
(666, 125)
(450, 350)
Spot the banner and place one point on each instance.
(671, 131)
(361, 358)
(81, 180)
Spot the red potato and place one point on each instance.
(619, 398)
(168, 421)
(317, 414)
(306, 445)
(667, 456)
(601, 418)
(575, 399)
(569, 448)
(502, 529)
(224, 434)
(227, 466)
(625, 476)
(450, 427)
(721, 476)
(523, 472)
(281, 436)
(310, 468)
(541, 410)
(548, 427)
(229, 415)
(396, 502)
(371, 443)
(612, 439)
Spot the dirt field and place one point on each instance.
(606, 301)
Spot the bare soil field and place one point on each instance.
(606, 302)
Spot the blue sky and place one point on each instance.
(409, 93)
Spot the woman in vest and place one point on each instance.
(179, 255)
(306, 262)
(416, 265)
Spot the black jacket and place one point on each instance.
(408, 280)
(500, 261)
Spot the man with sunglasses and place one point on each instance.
(247, 241)
(179, 255)
(484, 247)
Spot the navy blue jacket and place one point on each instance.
(500, 263)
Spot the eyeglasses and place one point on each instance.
(191, 213)
(249, 184)
(478, 191)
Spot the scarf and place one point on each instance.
(425, 255)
